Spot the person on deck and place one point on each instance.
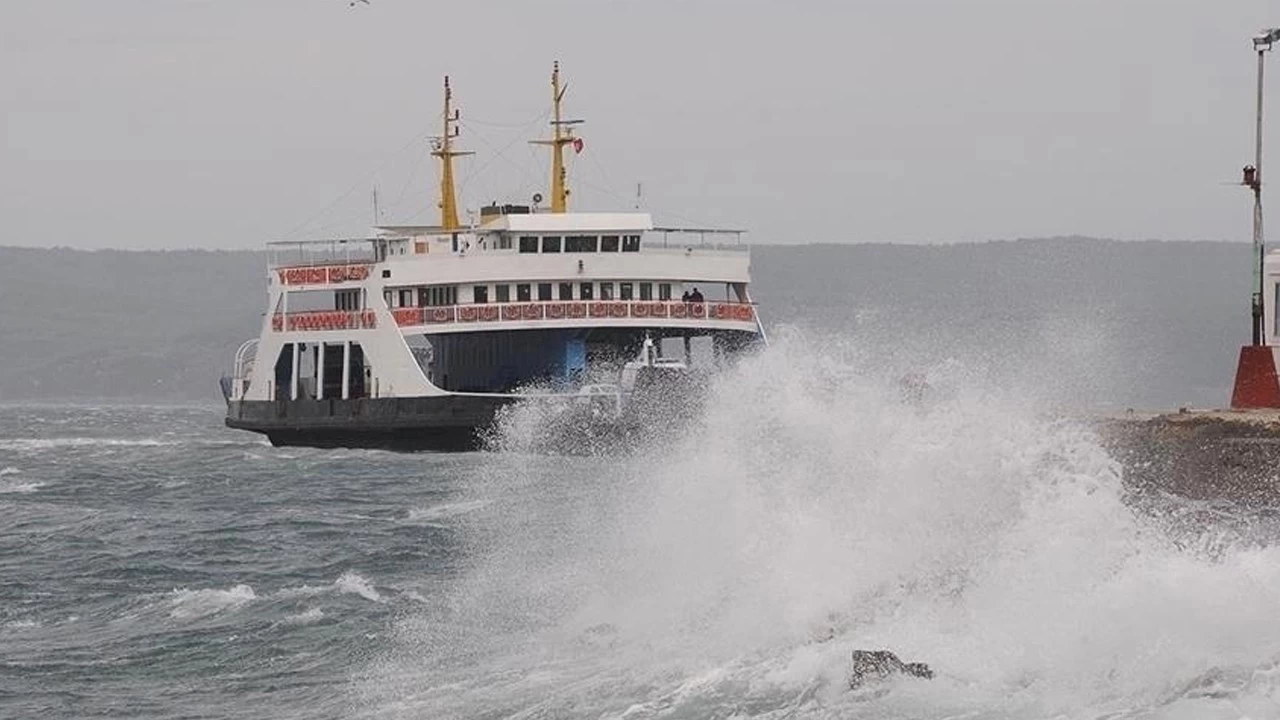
(696, 296)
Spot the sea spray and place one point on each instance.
(812, 510)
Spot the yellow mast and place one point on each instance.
(562, 135)
(446, 153)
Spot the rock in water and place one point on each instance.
(876, 665)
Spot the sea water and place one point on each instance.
(155, 564)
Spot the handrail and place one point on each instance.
(324, 320)
(530, 311)
(323, 274)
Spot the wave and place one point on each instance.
(194, 604)
(19, 488)
(445, 511)
(307, 617)
(28, 444)
(811, 510)
(9, 471)
(353, 583)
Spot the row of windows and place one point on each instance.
(577, 243)
(527, 292)
(565, 291)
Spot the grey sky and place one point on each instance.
(226, 123)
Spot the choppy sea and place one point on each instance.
(154, 564)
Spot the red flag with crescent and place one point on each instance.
(578, 145)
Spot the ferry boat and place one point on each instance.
(415, 337)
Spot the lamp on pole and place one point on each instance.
(1253, 180)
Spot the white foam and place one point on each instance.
(307, 617)
(191, 604)
(301, 591)
(29, 444)
(353, 583)
(19, 488)
(446, 510)
(9, 471)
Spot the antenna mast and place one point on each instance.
(444, 150)
(562, 134)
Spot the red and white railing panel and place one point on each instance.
(322, 274)
(324, 320)
(519, 312)
(574, 310)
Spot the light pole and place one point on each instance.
(1253, 180)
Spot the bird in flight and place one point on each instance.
(366, 2)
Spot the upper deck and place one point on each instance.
(530, 247)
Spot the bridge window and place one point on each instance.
(566, 291)
(585, 291)
(609, 243)
(528, 244)
(624, 291)
(437, 296)
(646, 291)
(664, 291)
(544, 291)
(503, 293)
(606, 291)
(522, 293)
(346, 300)
(580, 243)
(631, 243)
(551, 244)
(480, 293)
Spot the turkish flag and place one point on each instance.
(577, 145)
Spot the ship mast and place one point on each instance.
(444, 150)
(562, 134)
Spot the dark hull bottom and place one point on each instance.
(451, 422)
(400, 439)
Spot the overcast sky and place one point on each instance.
(228, 123)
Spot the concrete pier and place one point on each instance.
(1198, 454)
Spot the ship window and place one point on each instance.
(664, 291)
(646, 291)
(566, 291)
(389, 298)
(580, 243)
(606, 291)
(631, 243)
(503, 293)
(585, 291)
(544, 291)
(504, 242)
(522, 292)
(480, 293)
(347, 300)
(551, 244)
(406, 298)
(625, 291)
(451, 295)
(422, 297)
(528, 244)
(609, 243)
